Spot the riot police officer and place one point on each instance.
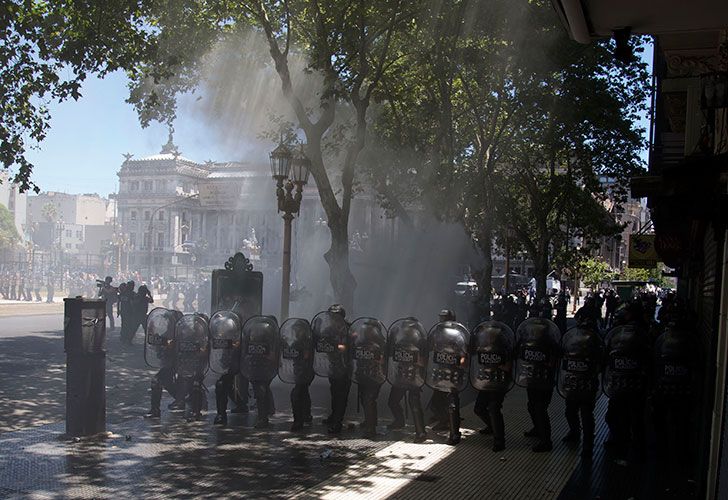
(674, 377)
(259, 361)
(407, 353)
(578, 383)
(491, 373)
(439, 401)
(192, 359)
(225, 331)
(160, 353)
(537, 350)
(448, 346)
(625, 378)
(331, 360)
(295, 366)
(369, 366)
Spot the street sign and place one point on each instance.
(642, 252)
(218, 194)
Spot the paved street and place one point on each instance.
(173, 457)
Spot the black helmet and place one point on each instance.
(338, 309)
(447, 315)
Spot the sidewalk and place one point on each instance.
(143, 458)
(26, 308)
(175, 458)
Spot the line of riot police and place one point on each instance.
(491, 358)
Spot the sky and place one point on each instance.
(83, 150)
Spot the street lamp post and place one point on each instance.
(507, 281)
(284, 163)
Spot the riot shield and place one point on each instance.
(331, 345)
(259, 349)
(491, 368)
(295, 363)
(581, 353)
(368, 351)
(536, 353)
(674, 362)
(447, 361)
(625, 367)
(191, 342)
(407, 354)
(225, 331)
(159, 338)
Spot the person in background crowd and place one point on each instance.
(50, 288)
(36, 287)
(111, 295)
(125, 309)
(139, 306)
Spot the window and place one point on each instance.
(134, 186)
(132, 239)
(160, 240)
(79, 235)
(147, 186)
(161, 215)
(184, 238)
(68, 246)
(147, 215)
(146, 243)
(133, 215)
(160, 186)
(69, 233)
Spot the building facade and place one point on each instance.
(15, 201)
(175, 215)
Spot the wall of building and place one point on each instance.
(15, 201)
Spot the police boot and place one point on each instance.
(156, 397)
(418, 416)
(261, 397)
(454, 423)
(453, 414)
(370, 421)
(196, 395)
(221, 403)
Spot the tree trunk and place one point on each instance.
(486, 277)
(337, 257)
(540, 272)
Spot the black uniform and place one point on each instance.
(332, 360)
(536, 366)
(578, 383)
(407, 370)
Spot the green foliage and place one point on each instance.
(47, 49)
(653, 275)
(594, 272)
(513, 124)
(8, 233)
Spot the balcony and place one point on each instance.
(668, 151)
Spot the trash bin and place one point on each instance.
(84, 340)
